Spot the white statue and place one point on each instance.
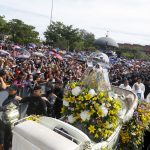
(96, 77)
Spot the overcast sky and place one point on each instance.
(127, 20)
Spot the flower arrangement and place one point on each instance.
(96, 112)
(132, 133)
(35, 118)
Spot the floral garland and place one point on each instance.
(96, 113)
(132, 133)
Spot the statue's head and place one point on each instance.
(99, 58)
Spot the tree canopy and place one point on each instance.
(18, 31)
(3, 27)
(73, 38)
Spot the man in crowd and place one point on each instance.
(37, 105)
(9, 105)
(139, 89)
(125, 85)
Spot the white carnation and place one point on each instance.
(85, 115)
(110, 126)
(76, 91)
(92, 92)
(105, 111)
(65, 103)
(71, 119)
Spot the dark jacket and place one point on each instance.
(36, 105)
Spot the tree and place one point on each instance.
(22, 33)
(3, 27)
(87, 38)
(57, 31)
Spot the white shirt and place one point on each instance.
(139, 89)
(148, 98)
(141, 86)
(125, 87)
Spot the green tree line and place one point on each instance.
(60, 35)
(17, 31)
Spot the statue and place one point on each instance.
(96, 77)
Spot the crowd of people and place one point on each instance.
(132, 75)
(39, 81)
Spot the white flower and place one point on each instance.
(105, 110)
(103, 104)
(92, 92)
(115, 96)
(65, 103)
(71, 119)
(110, 126)
(76, 91)
(122, 113)
(85, 115)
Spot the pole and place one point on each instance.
(51, 17)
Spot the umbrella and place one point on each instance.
(16, 47)
(38, 54)
(23, 56)
(3, 52)
(31, 45)
(51, 52)
(58, 56)
(68, 56)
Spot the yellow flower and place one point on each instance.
(96, 105)
(111, 112)
(73, 85)
(92, 129)
(94, 98)
(71, 99)
(125, 137)
(92, 112)
(100, 113)
(105, 125)
(62, 110)
(83, 106)
(77, 107)
(77, 116)
(34, 118)
(66, 99)
(143, 118)
(96, 136)
(109, 99)
(88, 96)
(117, 106)
(104, 133)
(80, 98)
(101, 94)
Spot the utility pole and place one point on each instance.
(51, 16)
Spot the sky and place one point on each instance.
(127, 21)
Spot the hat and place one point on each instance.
(13, 87)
